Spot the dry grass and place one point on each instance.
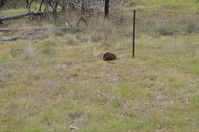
(57, 82)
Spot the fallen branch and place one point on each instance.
(3, 18)
(8, 38)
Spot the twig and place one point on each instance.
(83, 20)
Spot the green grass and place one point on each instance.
(12, 11)
(55, 86)
(57, 81)
(165, 5)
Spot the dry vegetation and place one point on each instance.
(57, 81)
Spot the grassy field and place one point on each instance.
(57, 81)
(174, 5)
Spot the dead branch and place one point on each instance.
(8, 38)
(122, 3)
(83, 20)
(4, 18)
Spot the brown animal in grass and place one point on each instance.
(109, 56)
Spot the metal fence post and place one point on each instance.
(133, 37)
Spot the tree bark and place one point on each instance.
(106, 8)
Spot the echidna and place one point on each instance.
(109, 56)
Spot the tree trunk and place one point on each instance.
(2, 3)
(55, 6)
(106, 8)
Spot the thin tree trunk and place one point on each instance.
(106, 8)
(41, 6)
(55, 7)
